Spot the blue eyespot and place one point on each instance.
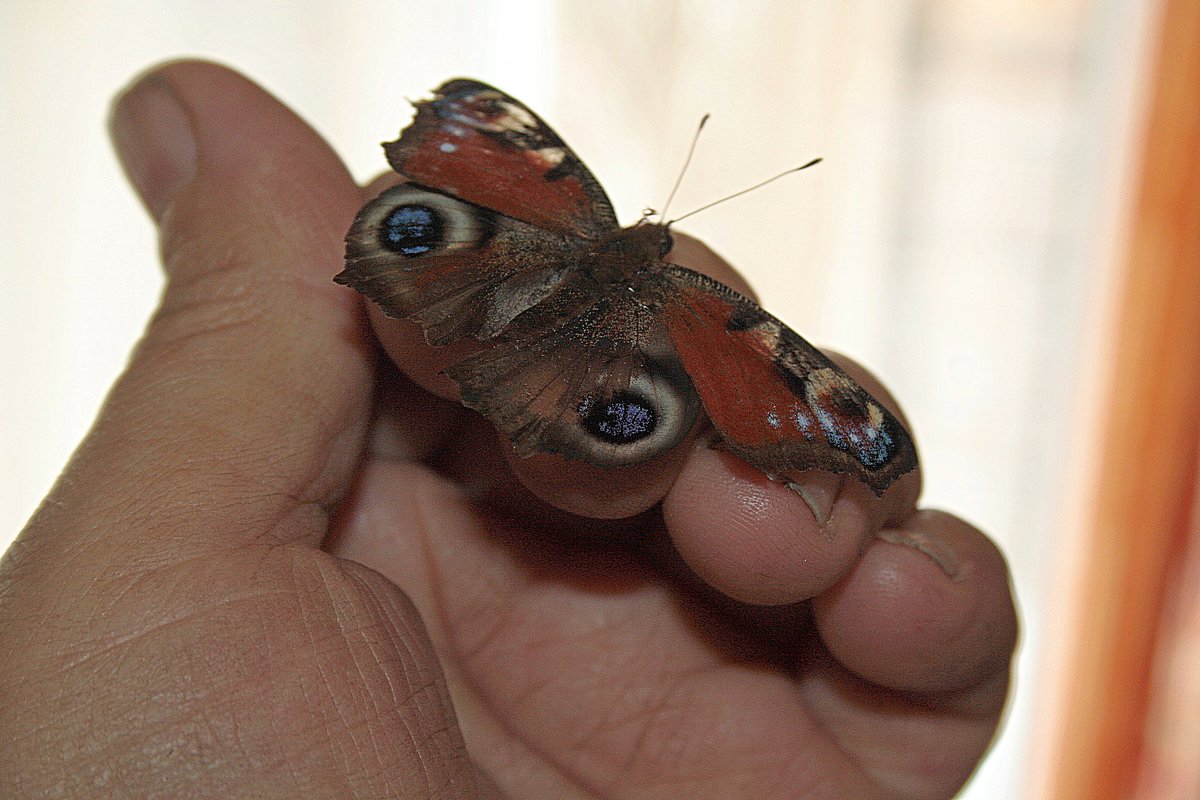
(412, 230)
(623, 419)
(875, 448)
(847, 427)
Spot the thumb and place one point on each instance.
(242, 410)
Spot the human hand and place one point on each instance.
(278, 568)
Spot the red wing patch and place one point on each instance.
(478, 144)
(776, 400)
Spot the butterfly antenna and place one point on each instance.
(686, 162)
(744, 191)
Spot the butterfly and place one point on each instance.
(593, 346)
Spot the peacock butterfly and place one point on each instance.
(595, 347)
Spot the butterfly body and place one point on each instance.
(593, 346)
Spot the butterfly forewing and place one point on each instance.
(776, 400)
(476, 143)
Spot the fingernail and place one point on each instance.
(820, 490)
(935, 549)
(818, 498)
(154, 140)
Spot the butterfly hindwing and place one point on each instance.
(590, 376)
(777, 401)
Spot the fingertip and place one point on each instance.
(758, 541)
(258, 166)
(927, 608)
(379, 184)
(153, 136)
(599, 492)
(482, 464)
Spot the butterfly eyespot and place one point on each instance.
(411, 230)
(622, 419)
(414, 222)
(634, 424)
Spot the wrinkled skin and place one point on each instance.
(279, 567)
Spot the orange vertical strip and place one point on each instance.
(1149, 434)
(1170, 768)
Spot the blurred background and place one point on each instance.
(960, 238)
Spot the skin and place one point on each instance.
(278, 567)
